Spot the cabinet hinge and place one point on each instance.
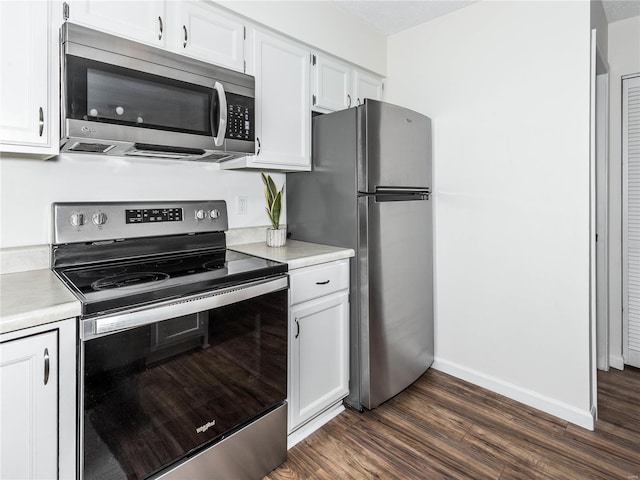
(65, 11)
(313, 99)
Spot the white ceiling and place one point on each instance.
(389, 17)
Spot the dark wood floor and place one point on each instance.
(443, 427)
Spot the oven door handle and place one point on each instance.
(98, 327)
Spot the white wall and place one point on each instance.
(624, 59)
(322, 26)
(507, 87)
(28, 187)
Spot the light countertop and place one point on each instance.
(32, 298)
(295, 253)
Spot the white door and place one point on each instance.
(24, 75)
(282, 111)
(319, 343)
(29, 407)
(331, 84)
(209, 36)
(631, 219)
(366, 85)
(140, 20)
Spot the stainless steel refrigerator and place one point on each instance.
(370, 190)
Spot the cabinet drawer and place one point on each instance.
(313, 282)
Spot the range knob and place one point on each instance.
(99, 218)
(77, 219)
(215, 213)
(201, 214)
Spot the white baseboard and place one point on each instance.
(582, 418)
(308, 428)
(616, 361)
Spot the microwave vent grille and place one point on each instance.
(91, 147)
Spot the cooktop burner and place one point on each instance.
(128, 280)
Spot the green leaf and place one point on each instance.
(273, 198)
(276, 207)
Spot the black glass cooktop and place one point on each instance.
(112, 286)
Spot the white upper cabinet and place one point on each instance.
(331, 82)
(337, 85)
(196, 29)
(282, 109)
(366, 85)
(143, 21)
(28, 97)
(208, 35)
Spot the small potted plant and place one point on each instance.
(276, 236)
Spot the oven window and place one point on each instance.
(153, 394)
(106, 93)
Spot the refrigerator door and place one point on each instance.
(396, 147)
(396, 300)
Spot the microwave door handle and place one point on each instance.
(222, 117)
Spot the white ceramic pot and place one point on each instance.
(276, 238)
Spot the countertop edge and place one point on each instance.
(296, 254)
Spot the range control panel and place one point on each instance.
(148, 215)
(99, 221)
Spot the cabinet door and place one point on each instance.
(283, 113)
(25, 102)
(319, 358)
(143, 21)
(29, 407)
(331, 84)
(366, 85)
(208, 35)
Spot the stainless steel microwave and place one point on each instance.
(120, 97)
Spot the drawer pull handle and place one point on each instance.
(46, 366)
(297, 328)
(323, 283)
(41, 121)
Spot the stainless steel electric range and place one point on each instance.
(183, 343)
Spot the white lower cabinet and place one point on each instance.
(37, 411)
(318, 340)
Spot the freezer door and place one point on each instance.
(395, 147)
(396, 295)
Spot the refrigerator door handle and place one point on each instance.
(399, 194)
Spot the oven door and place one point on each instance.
(156, 392)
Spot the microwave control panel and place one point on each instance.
(240, 117)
